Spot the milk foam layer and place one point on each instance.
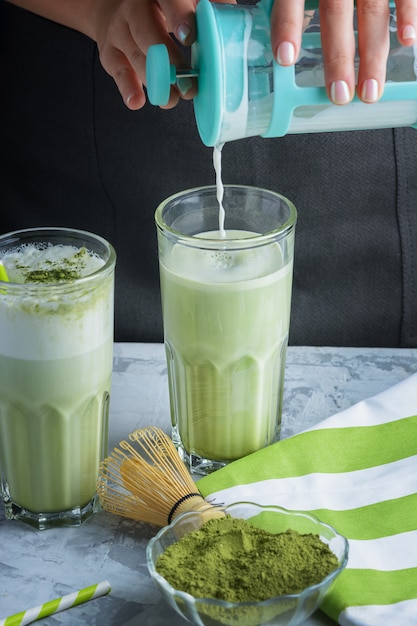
(223, 265)
(50, 321)
(44, 257)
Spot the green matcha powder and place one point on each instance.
(232, 560)
(63, 270)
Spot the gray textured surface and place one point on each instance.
(39, 566)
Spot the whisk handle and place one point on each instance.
(196, 503)
(174, 511)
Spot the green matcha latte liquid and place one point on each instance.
(226, 308)
(226, 339)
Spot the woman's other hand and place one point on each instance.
(338, 42)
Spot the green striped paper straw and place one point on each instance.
(59, 604)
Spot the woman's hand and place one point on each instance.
(124, 30)
(338, 42)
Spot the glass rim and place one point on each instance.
(207, 242)
(105, 269)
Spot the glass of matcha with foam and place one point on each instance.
(56, 349)
(226, 295)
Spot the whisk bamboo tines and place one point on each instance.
(145, 479)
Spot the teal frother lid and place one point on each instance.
(206, 63)
(206, 56)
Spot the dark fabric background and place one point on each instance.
(73, 155)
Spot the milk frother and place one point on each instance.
(243, 92)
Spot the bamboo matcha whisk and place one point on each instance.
(145, 479)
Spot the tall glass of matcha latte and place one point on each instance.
(226, 294)
(56, 347)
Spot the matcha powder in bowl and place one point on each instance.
(231, 570)
(232, 560)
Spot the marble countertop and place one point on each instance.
(39, 566)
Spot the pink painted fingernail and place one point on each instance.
(183, 32)
(130, 97)
(184, 84)
(339, 92)
(286, 53)
(370, 90)
(409, 32)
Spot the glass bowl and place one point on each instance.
(285, 610)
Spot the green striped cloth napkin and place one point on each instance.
(357, 471)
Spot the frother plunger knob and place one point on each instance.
(161, 74)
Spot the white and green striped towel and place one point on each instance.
(356, 470)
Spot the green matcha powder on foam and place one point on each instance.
(66, 269)
(39, 268)
(230, 559)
